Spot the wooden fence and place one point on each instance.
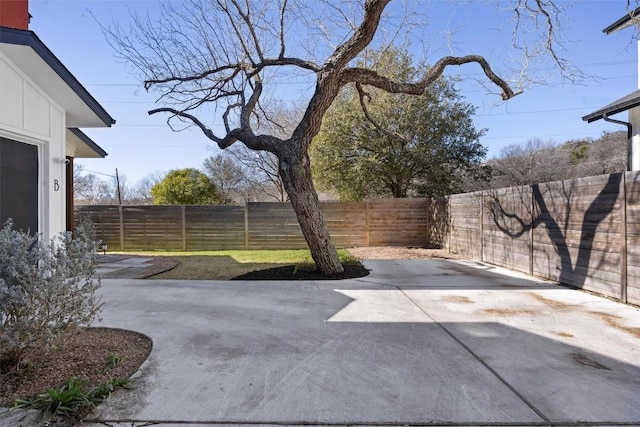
(378, 222)
(583, 232)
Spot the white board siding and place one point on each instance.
(29, 115)
(36, 111)
(11, 102)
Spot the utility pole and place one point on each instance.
(118, 188)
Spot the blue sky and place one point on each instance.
(140, 144)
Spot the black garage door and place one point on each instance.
(19, 184)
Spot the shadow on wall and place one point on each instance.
(438, 222)
(568, 227)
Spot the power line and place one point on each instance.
(594, 64)
(535, 111)
(99, 173)
(544, 136)
(477, 115)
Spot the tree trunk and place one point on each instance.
(295, 170)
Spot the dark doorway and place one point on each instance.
(19, 184)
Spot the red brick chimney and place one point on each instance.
(14, 14)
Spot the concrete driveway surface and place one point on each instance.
(418, 342)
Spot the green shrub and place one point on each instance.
(72, 400)
(46, 287)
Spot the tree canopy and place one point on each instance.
(185, 187)
(378, 144)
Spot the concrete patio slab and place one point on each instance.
(121, 266)
(417, 342)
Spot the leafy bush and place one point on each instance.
(46, 287)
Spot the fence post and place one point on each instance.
(532, 223)
(366, 214)
(623, 238)
(482, 226)
(121, 214)
(184, 228)
(449, 223)
(246, 225)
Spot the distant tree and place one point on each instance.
(185, 187)
(89, 189)
(544, 161)
(577, 150)
(263, 176)
(141, 191)
(229, 177)
(475, 179)
(607, 154)
(263, 167)
(84, 184)
(378, 144)
(536, 161)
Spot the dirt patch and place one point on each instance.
(390, 252)
(459, 299)
(90, 354)
(506, 312)
(552, 303)
(614, 321)
(291, 272)
(562, 334)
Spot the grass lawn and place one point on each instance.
(224, 265)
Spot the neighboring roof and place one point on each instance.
(623, 104)
(28, 52)
(83, 145)
(624, 22)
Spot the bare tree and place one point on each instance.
(607, 154)
(531, 163)
(229, 177)
(89, 188)
(261, 174)
(540, 161)
(219, 56)
(261, 168)
(140, 193)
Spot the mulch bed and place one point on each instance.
(84, 354)
(291, 272)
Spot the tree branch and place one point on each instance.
(372, 78)
(361, 96)
(208, 132)
(246, 17)
(260, 142)
(281, 34)
(360, 39)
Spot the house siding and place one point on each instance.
(29, 115)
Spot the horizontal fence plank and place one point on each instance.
(266, 225)
(569, 231)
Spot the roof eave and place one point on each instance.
(30, 39)
(625, 103)
(626, 21)
(88, 142)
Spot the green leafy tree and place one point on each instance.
(185, 187)
(379, 144)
